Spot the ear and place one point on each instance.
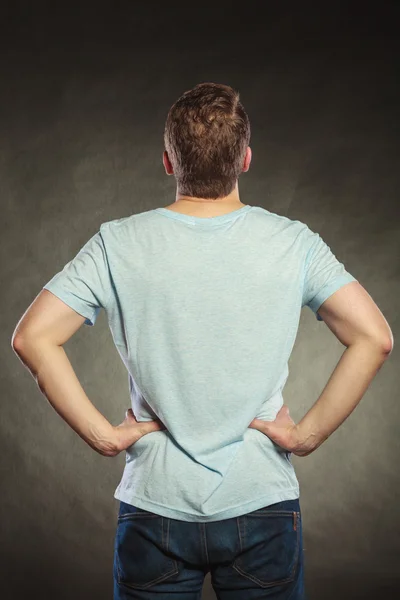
(167, 164)
(247, 160)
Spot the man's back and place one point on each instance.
(204, 313)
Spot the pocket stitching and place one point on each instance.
(169, 573)
(172, 571)
(296, 555)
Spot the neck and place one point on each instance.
(231, 200)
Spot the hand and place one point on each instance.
(131, 430)
(283, 431)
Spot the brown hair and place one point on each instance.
(206, 135)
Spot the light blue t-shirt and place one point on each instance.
(204, 312)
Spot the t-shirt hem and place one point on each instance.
(233, 511)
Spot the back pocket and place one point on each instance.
(141, 543)
(269, 546)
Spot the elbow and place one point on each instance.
(17, 343)
(383, 346)
(388, 343)
(388, 347)
(22, 345)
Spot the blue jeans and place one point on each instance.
(253, 556)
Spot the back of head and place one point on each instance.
(206, 135)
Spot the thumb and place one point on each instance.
(149, 426)
(260, 424)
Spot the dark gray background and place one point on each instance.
(85, 90)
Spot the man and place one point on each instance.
(203, 299)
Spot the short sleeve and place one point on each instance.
(84, 283)
(324, 274)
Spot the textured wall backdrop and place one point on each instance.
(85, 90)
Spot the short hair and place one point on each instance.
(206, 135)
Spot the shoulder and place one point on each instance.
(117, 228)
(290, 228)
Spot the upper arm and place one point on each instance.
(72, 297)
(48, 318)
(339, 299)
(351, 314)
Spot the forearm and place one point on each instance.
(53, 372)
(348, 383)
